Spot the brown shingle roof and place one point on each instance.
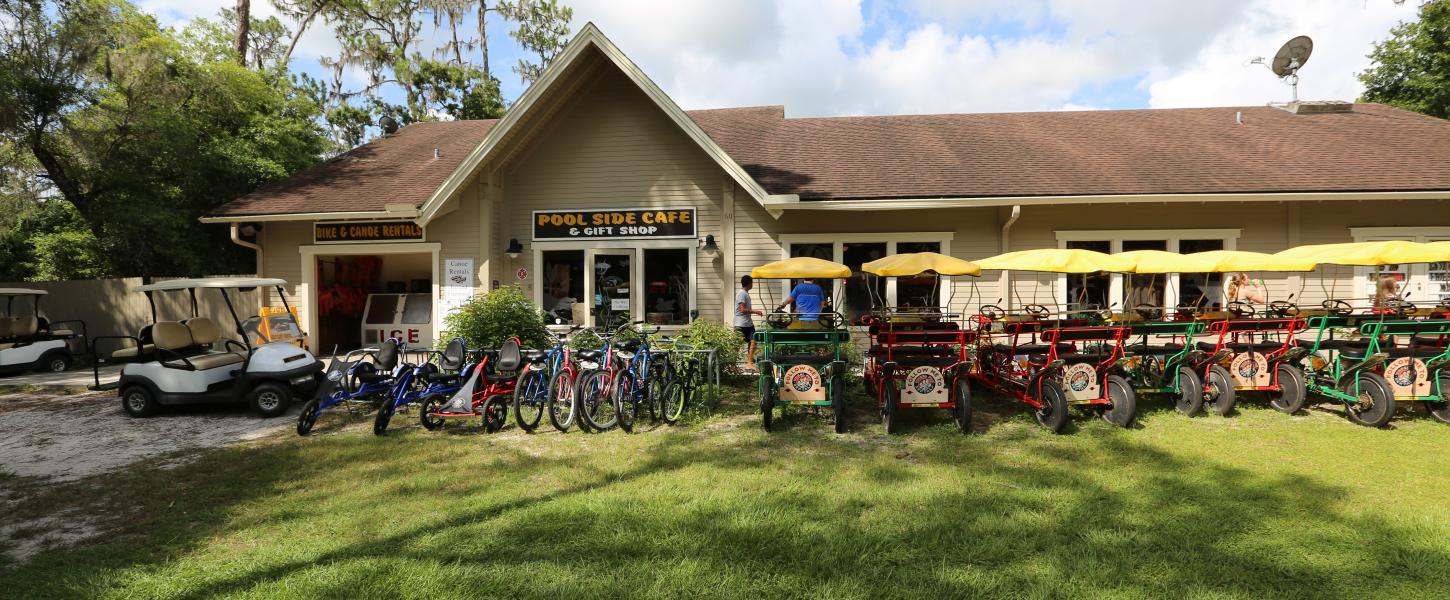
(1165, 151)
(392, 170)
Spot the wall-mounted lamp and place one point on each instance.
(514, 249)
(709, 247)
(250, 229)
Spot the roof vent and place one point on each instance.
(1318, 107)
(435, 153)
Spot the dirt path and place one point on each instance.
(67, 437)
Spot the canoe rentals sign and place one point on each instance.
(614, 224)
(367, 231)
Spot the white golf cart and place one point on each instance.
(193, 364)
(30, 343)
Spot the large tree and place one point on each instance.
(141, 134)
(1412, 68)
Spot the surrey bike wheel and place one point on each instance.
(530, 394)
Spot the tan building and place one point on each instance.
(605, 200)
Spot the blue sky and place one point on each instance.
(846, 57)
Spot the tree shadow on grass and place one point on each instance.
(800, 512)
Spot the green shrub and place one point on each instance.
(486, 320)
(586, 339)
(705, 334)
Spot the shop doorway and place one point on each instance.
(362, 299)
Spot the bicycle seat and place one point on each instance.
(589, 354)
(509, 355)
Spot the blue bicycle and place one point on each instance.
(641, 386)
(547, 385)
(440, 374)
(359, 381)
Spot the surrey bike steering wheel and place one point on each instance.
(991, 312)
(1283, 308)
(1037, 311)
(1148, 311)
(1241, 308)
(778, 320)
(1336, 307)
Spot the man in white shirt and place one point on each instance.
(743, 312)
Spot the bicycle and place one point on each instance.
(550, 386)
(599, 369)
(641, 383)
(683, 375)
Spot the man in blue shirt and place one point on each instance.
(807, 298)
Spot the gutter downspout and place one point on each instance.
(1006, 247)
(237, 239)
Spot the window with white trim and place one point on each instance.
(861, 293)
(1118, 291)
(1422, 284)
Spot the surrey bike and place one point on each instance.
(1350, 352)
(920, 357)
(1050, 359)
(548, 385)
(801, 362)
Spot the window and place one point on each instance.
(667, 286)
(1199, 289)
(921, 291)
(1422, 284)
(1088, 291)
(862, 292)
(563, 284)
(1115, 290)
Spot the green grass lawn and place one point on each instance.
(1254, 506)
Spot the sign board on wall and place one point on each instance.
(366, 231)
(457, 285)
(614, 224)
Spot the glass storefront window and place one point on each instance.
(667, 286)
(613, 291)
(918, 291)
(563, 284)
(1200, 289)
(1145, 289)
(864, 292)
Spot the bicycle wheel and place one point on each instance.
(495, 413)
(561, 400)
(596, 403)
(529, 395)
(674, 402)
(658, 380)
(384, 416)
(626, 401)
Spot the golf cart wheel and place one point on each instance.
(1190, 392)
(139, 402)
(890, 396)
(1376, 403)
(838, 403)
(1440, 410)
(495, 414)
(1053, 412)
(270, 399)
(767, 401)
(308, 418)
(58, 362)
(1124, 407)
(562, 405)
(962, 396)
(431, 404)
(1218, 391)
(1290, 397)
(529, 396)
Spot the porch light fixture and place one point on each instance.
(514, 249)
(709, 247)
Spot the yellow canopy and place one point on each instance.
(801, 267)
(1158, 261)
(1228, 261)
(916, 263)
(1393, 252)
(1057, 260)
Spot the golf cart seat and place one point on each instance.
(133, 351)
(187, 340)
(18, 328)
(1241, 347)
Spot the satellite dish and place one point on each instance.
(1292, 56)
(390, 125)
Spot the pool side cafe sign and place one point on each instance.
(614, 224)
(352, 232)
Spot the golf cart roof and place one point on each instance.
(22, 292)
(229, 283)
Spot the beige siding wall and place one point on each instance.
(612, 148)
